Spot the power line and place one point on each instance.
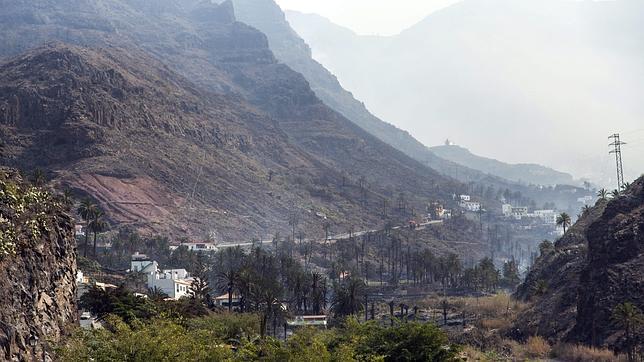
(617, 150)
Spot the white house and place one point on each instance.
(173, 282)
(470, 205)
(519, 212)
(141, 263)
(547, 216)
(466, 198)
(79, 229)
(506, 209)
(586, 200)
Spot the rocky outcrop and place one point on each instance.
(553, 283)
(37, 271)
(597, 265)
(614, 272)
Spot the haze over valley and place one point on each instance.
(556, 77)
(190, 180)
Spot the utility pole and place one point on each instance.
(617, 150)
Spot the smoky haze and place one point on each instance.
(543, 81)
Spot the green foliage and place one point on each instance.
(483, 276)
(87, 265)
(564, 221)
(236, 329)
(234, 337)
(403, 342)
(159, 340)
(511, 277)
(348, 297)
(27, 213)
(119, 302)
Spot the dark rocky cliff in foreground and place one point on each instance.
(596, 266)
(37, 270)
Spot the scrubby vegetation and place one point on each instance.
(26, 213)
(227, 337)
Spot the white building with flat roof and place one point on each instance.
(173, 282)
(470, 206)
(547, 216)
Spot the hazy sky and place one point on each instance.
(383, 17)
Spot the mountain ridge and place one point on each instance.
(229, 69)
(520, 172)
(454, 78)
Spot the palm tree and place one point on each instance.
(602, 194)
(317, 292)
(628, 317)
(615, 193)
(564, 221)
(348, 297)
(227, 280)
(86, 210)
(67, 198)
(97, 225)
(585, 209)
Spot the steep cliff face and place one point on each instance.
(37, 270)
(553, 283)
(614, 272)
(596, 266)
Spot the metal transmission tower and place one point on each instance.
(617, 150)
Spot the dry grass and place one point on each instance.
(578, 353)
(537, 347)
(493, 307)
(495, 323)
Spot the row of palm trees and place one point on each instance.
(603, 194)
(94, 218)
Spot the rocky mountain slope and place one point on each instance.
(524, 173)
(160, 154)
(127, 125)
(37, 270)
(598, 265)
(291, 50)
(492, 74)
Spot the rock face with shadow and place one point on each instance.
(37, 270)
(596, 266)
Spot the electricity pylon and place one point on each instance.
(617, 150)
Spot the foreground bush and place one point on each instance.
(233, 337)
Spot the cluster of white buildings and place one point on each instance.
(175, 283)
(469, 205)
(548, 217)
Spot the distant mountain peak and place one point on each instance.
(523, 172)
